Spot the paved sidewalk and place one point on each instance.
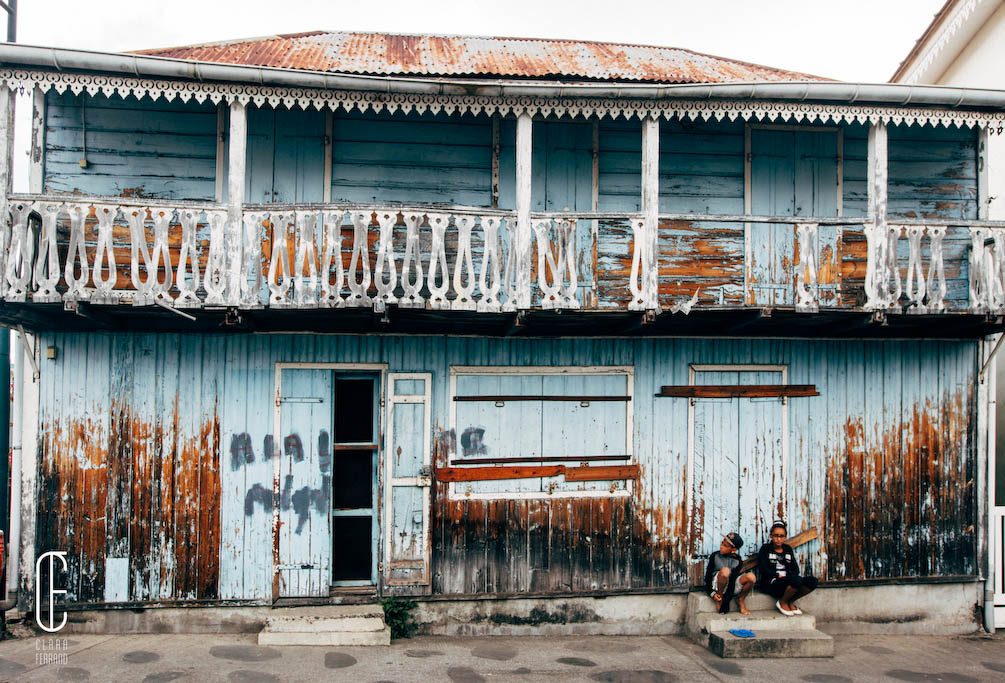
(163, 658)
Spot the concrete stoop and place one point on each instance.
(775, 635)
(335, 625)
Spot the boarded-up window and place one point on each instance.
(520, 419)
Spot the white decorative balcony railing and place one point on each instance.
(192, 255)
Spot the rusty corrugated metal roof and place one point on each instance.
(429, 55)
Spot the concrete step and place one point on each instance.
(698, 602)
(771, 643)
(326, 638)
(328, 625)
(760, 620)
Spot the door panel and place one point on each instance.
(738, 462)
(409, 481)
(792, 173)
(285, 156)
(305, 481)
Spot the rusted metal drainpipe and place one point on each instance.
(992, 404)
(17, 423)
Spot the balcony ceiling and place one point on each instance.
(429, 55)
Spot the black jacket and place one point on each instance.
(772, 566)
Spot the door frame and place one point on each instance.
(693, 369)
(381, 370)
(748, 198)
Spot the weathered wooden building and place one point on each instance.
(360, 314)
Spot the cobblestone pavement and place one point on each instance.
(429, 659)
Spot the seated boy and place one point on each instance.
(721, 575)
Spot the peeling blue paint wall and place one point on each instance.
(160, 449)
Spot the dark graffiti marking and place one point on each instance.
(302, 499)
(293, 446)
(257, 494)
(324, 451)
(241, 451)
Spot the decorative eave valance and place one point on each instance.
(626, 107)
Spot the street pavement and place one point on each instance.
(430, 659)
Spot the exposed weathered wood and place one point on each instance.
(739, 390)
(644, 277)
(521, 244)
(448, 474)
(36, 172)
(238, 140)
(881, 266)
(529, 397)
(221, 153)
(602, 472)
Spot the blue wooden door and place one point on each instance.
(408, 481)
(285, 156)
(792, 173)
(737, 462)
(305, 481)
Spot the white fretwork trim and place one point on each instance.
(964, 10)
(348, 100)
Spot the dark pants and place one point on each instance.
(802, 584)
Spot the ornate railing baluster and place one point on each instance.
(385, 258)
(105, 273)
(161, 255)
(251, 258)
(305, 269)
(188, 261)
(637, 277)
(331, 292)
(215, 281)
(914, 283)
(511, 274)
(978, 277)
(438, 279)
(882, 279)
(411, 263)
(465, 279)
(139, 255)
(280, 279)
(76, 272)
(20, 253)
(490, 280)
(46, 275)
(936, 284)
(359, 264)
(557, 258)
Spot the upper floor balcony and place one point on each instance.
(200, 216)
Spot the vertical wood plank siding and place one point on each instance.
(158, 449)
(160, 149)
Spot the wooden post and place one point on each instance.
(877, 278)
(36, 177)
(235, 200)
(650, 209)
(524, 152)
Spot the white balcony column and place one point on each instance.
(237, 157)
(650, 210)
(522, 241)
(878, 275)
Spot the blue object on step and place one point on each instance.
(742, 632)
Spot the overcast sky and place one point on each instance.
(856, 40)
(852, 40)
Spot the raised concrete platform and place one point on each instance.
(770, 643)
(334, 625)
(775, 635)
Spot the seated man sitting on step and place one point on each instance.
(723, 573)
(778, 572)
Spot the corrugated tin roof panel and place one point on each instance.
(426, 55)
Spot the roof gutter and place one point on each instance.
(141, 66)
